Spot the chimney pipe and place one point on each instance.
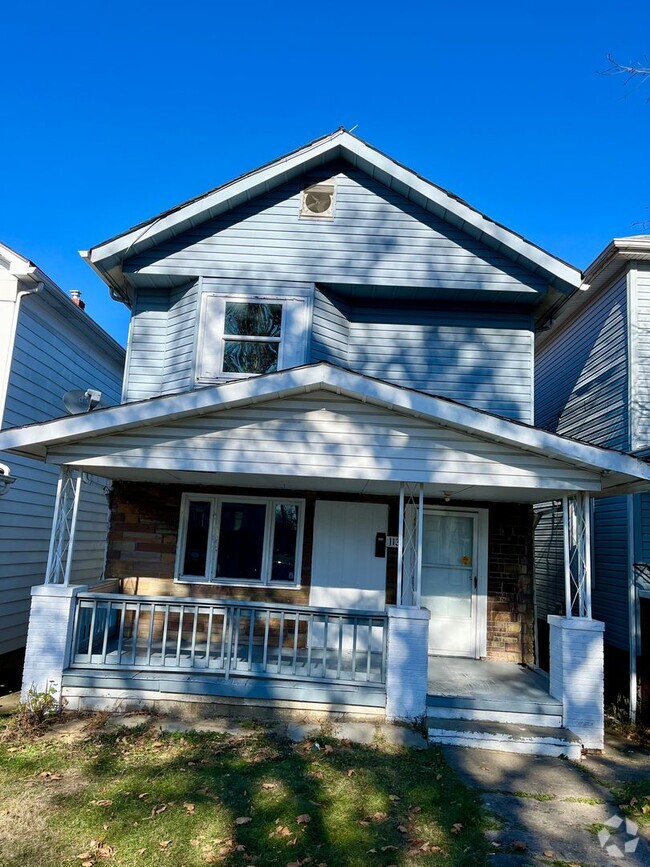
(75, 297)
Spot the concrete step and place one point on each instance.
(515, 717)
(514, 738)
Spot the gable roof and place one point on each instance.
(106, 258)
(34, 440)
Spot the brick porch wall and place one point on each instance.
(510, 618)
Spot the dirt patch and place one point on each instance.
(25, 808)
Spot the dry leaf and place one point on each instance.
(84, 856)
(394, 798)
(189, 807)
(456, 828)
(105, 851)
(165, 844)
(158, 810)
(402, 829)
(269, 785)
(389, 848)
(103, 802)
(519, 845)
(548, 853)
(415, 809)
(351, 772)
(327, 749)
(143, 795)
(303, 819)
(141, 851)
(243, 820)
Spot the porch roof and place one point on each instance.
(324, 427)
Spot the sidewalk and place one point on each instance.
(549, 810)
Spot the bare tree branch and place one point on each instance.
(631, 71)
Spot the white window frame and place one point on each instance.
(216, 502)
(238, 298)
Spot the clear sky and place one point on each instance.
(112, 112)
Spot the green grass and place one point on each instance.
(134, 797)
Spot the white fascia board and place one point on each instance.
(341, 139)
(36, 439)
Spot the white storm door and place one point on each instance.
(450, 581)
(345, 572)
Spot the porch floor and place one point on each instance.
(488, 685)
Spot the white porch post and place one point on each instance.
(64, 524)
(576, 641)
(409, 550)
(407, 645)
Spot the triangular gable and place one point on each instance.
(133, 420)
(321, 434)
(379, 237)
(107, 257)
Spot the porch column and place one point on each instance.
(409, 548)
(407, 663)
(49, 637)
(576, 640)
(64, 523)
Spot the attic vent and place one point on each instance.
(317, 201)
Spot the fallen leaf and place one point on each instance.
(158, 810)
(165, 844)
(303, 819)
(84, 856)
(189, 807)
(519, 845)
(402, 829)
(141, 851)
(379, 817)
(103, 802)
(389, 848)
(456, 828)
(243, 820)
(105, 851)
(351, 772)
(269, 785)
(394, 798)
(143, 795)
(548, 853)
(327, 749)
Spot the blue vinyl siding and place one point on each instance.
(481, 359)
(581, 376)
(376, 237)
(180, 340)
(51, 355)
(610, 569)
(549, 560)
(145, 363)
(642, 553)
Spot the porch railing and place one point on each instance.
(229, 639)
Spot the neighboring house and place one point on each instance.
(593, 382)
(324, 468)
(48, 345)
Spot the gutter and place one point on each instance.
(115, 290)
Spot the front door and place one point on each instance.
(450, 581)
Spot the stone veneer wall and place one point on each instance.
(510, 619)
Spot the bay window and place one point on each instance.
(241, 540)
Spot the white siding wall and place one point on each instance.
(640, 324)
(51, 355)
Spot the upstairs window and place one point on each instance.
(241, 540)
(252, 336)
(248, 335)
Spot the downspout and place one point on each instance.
(632, 606)
(35, 290)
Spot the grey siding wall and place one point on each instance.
(640, 409)
(482, 359)
(642, 548)
(50, 357)
(581, 377)
(610, 565)
(549, 560)
(180, 340)
(330, 337)
(610, 594)
(376, 236)
(145, 363)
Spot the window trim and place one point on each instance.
(239, 298)
(216, 501)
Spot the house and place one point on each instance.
(593, 382)
(324, 466)
(48, 346)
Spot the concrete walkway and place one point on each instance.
(547, 810)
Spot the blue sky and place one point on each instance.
(112, 112)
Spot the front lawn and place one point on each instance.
(138, 797)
